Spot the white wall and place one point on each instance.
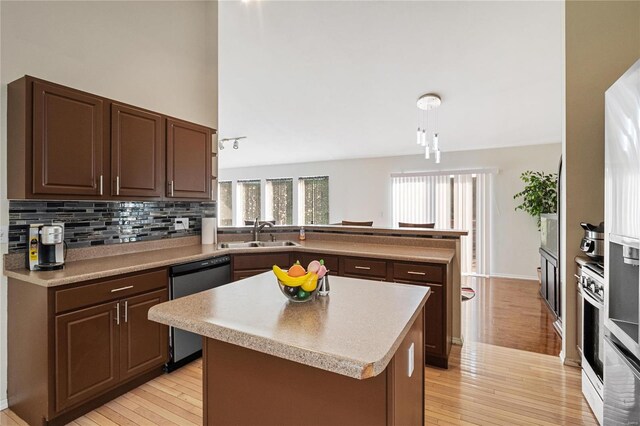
(361, 190)
(157, 55)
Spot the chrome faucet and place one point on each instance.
(257, 228)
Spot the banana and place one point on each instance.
(290, 281)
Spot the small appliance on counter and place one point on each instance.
(593, 241)
(45, 247)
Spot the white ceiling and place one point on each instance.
(310, 81)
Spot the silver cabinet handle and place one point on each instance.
(118, 313)
(171, 186)
(366, 268)
(117, 185)
(126, 311)
(101, 179)
(121, 288)
(416, 273)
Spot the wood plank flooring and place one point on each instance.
(509, 313)
(487, 383)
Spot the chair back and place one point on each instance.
(351, 223)
(416, 225)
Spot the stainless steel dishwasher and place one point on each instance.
(186, 279)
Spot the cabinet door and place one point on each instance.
(552, 297)
(543, 277)
(434, 321)
(137, 152)
(86, 343)
(188, 160)
(67, 141)
(144, 344)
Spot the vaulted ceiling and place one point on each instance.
(307, 81)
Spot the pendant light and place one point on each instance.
(427, 105)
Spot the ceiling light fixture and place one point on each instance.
(427, 105)
(236, 142)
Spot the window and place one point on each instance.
(249, 199)
(459, 201)
(279, 201)
(313, 196)
(225, 204)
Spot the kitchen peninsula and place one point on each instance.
(354, 357)
(99, 285)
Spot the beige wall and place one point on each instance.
(157, 55)
(360, 189)
(602, 40)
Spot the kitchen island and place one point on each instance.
(355, 357)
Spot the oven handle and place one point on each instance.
(588, 297)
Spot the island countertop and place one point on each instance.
(355, 331)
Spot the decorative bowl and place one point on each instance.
(296, 294)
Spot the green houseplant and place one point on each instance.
(539, 195)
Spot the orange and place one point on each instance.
(296, 271)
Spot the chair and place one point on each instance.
(416, 225)
(350, 223)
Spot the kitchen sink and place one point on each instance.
(277, 244)
(256, 244)
(239, 245)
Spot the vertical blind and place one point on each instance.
(422, 199)
(249, 199)
(225, 204)
(279, 201)
(313, 193)
(460, 201)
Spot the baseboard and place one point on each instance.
(4, 404)
(515, 277)
(457, 341)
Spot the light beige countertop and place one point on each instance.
(91, 269)
(355, 331)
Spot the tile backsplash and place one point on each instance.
(89, 223)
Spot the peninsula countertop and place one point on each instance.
(355, 331)
(91, 269)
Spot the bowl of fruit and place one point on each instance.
(299, 284)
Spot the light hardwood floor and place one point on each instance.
(488, 383)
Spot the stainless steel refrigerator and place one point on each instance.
(622, 239)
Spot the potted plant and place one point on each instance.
(539, 196)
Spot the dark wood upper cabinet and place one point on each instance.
(137, 152)
(67, 141)
(86, 344)
(144, 344)
(188, 160)
(66, 144)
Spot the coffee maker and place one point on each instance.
(45, 251)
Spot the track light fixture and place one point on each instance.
(236, 142)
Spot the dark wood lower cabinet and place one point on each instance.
(86, 344)
(143, 343)
(74, 347)
(550, 282)
(438, 312)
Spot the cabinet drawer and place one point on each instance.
(418, 273)
(330, 261)
(364, 267)
(100, 292)
(260, 261)
(240, 275)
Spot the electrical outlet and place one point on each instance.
(181, 223)
(4, 234)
